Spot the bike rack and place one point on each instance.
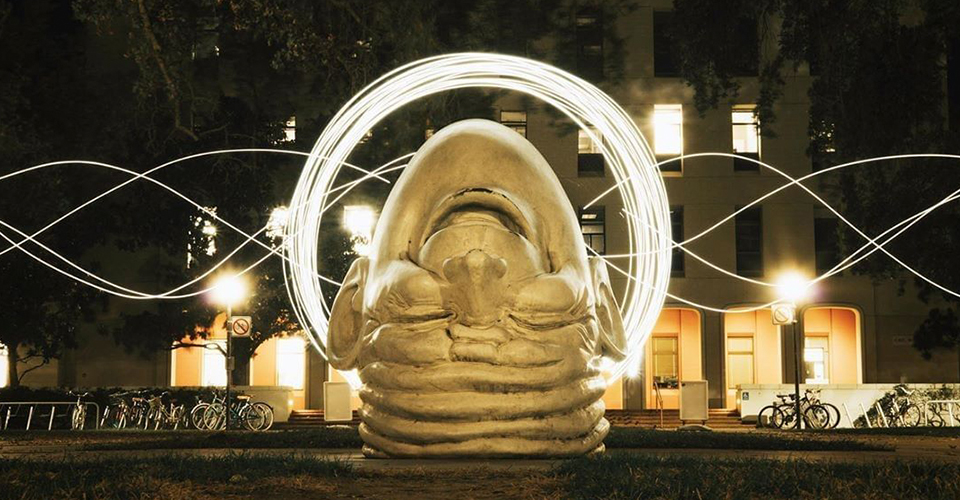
(33, 405)
(883, 417)
(950, 402)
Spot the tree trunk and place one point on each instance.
(13, 359)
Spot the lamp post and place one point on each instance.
(791, 288)
(228, 291)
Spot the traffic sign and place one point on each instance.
(241, 326)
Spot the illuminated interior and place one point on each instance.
(668, 129)
(4, 366)
(831, 340)
(752, 351)
(673, 354)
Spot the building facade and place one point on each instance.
(851, 330)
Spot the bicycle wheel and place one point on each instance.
(78, 418)
(214, 417)
(176, 416)
(788, 416)
(911, 415)
(267, 415)
(196, 415)
(816, 417)
(834, 414)
(765, 417)
(252, 417)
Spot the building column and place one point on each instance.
(713, 362)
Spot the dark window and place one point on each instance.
(826, 243)
(517, 120)
(590, 44)
(589, 157)
(676, 228)
(593, 227)
(749, 241)
(664, 63)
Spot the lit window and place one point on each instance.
(517, 120)
(593, 227)
(739, 361)
(589, 156)
(668, 134)
(746, 138)
(214, 370)
(815, 360)
(290, 129)
(291, 362)
(666, 365)
(4, 366)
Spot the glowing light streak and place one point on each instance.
(624, 148)
(138, 295)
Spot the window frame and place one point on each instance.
(673, 168)
(515, 124)
(742, 221)
(740, 165)
(599, 220)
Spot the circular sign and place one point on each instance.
(626, 152)
(241, 326)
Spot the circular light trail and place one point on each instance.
(624, 148)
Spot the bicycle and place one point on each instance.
(243, 413)
(812, 415)
(906, 413)
(78, 417)
(160, 415)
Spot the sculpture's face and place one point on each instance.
(478, 322)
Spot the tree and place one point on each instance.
(42, 310)
(878, 88)
(140, 82)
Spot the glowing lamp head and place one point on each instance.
(359, 220)
(229, 290)
(793, 287)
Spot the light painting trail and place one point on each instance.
(637, 181)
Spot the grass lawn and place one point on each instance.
(619, 476)
(347, 438)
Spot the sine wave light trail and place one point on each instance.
(135, 294)
(871, 242)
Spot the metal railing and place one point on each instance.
(656, 390)
(10, 409)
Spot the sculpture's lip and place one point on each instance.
(479, 206)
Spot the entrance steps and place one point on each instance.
(650, 419)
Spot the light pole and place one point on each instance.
(791, 288)
(228, 291)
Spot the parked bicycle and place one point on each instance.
(78, 417)
(254, 416)
(162, 416)
(813, 413)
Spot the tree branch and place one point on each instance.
(158, 56)
(28, 370)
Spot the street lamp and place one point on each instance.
(229, 290)
(792, 288)
(359, 221)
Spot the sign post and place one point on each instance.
(785, 314)
(237, 326)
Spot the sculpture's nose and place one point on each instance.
(477, 286)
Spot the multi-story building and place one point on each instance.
(851, 330)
